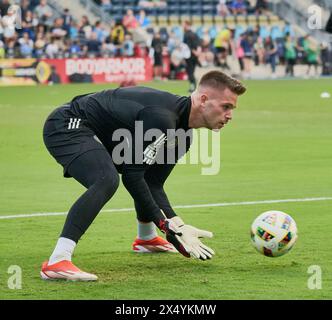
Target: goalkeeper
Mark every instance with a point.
(127, 131)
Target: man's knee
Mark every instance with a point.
(108, 183)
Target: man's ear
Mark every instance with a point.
(204, 98)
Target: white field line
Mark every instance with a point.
(207, 205)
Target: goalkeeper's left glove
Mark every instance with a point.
(185, 238)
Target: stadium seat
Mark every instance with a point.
(276, 32)
(130, 3)
(240, 19)
(163, 11)
(218, 20)
(162, 20)
(238, 31)
(200, 31)
(178, 31)
(164, 34)
(184, 17)
(150, 30)
(273, 19)
(252, 20)
(154, 19)
(171, 3)
(173, 10)
(196, 10)
(208, 10)
(196, 20)
(264, 32)
(213, 31)
(263, 20)
(288, 30)
(208, 20)
(174, 20)
(230, 21)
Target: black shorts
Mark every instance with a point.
(67, 136)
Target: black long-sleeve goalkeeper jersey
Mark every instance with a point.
(111, 112)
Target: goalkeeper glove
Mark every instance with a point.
(185, 238)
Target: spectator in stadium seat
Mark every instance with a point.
(206, 57)
(52, 49)
(271, 54)
(142, 19)
(302, 44)
(177, 59)
(40, 29)
(239, 52)
(193, 42)
(67, 20)
(247, 46)
(2, 50)
(11, 50)
(313, 53)
(39, 46)
(172, 41)
(261, 7)
(325, 58)
(75, 49)
(222, 44)
(157, 46)
(8, 23)
(238, 7)
(107, 49)
(117, 36)
(259, 51)
(222, 8)
(4, 6)
(101, 31)
(26, 46)
(93, 45)
(128, 46)
(152, 3)
(290, 55)
(73, 30)
(29, 21)
(25, 6)
(129, 21)
(1, 29)
(85, 28)
(44, 13)
(106, 5)
(57, 31)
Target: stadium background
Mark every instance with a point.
(278, 147)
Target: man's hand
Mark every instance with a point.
(185, 238)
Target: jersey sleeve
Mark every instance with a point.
(155, 123)
(157, 174)
(155, 177)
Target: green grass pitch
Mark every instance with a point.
(278, 146)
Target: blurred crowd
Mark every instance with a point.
(44, 35)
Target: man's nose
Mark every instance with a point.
(229, 115)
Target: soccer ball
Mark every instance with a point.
(273, 233)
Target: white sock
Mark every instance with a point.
(63, 250)
(146, 231)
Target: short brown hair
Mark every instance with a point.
(219, 80)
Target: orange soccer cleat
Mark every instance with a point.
(157, 244)
(65, 270)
